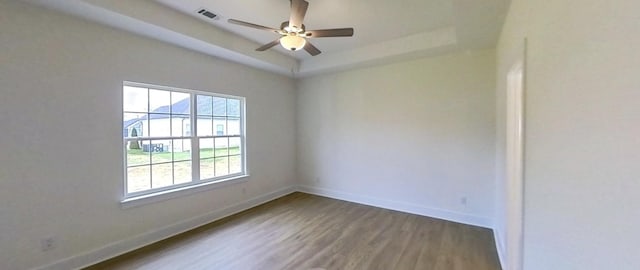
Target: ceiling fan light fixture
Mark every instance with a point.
(293, 42)
(293, 32)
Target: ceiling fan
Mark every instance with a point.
(293, 32)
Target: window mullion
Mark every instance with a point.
(243, 143)
(172, 141)
(226, 132)
(150, 141)
(195, 143)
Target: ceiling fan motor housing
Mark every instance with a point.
(286, 28)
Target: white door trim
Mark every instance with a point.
(515, 163)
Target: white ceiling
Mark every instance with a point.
(385, 31)
(374, 20)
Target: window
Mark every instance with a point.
(219, 129)
(174, 138)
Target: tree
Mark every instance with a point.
(135, 144)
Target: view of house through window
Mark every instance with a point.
(163, 126)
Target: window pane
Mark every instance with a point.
(205, 126)
(181, 150)
(206, 148)
(222, 166)
(235, 164)
(204, 105)
(222, 147)
(206, 169)
(180, 126)
(219, 124)
(132, 125)
(161, 175)
(136, 155)
(160, 151)
(182, 172)
(135, 99)
(219, 106)
(233, 126)
(138, 179)
(219, 129)
(234, 146)
(159, 101)
(159, 125)
(181, 104)
(233, 107)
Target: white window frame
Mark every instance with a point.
(196, 184)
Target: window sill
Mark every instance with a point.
(179, 192)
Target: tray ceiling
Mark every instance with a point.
(385, 31)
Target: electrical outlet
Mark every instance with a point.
(47, 243)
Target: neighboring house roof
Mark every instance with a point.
(181, 109)
(206, 106)
(130, 122)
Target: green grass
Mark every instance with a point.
(137, 157)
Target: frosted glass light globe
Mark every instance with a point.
(292, 42)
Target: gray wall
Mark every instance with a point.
(415, 136)
(582, 133)
(61, 143)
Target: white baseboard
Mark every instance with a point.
(123, 246)
(497, 237)
(479, 221)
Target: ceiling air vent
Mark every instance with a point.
(207, 14)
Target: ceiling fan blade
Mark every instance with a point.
(298, 11)
(312, 50)
(269, 45)
(338, 32)
(253, 25)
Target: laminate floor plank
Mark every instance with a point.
(302, 231)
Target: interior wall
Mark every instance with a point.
(581, 161)
(61, 142)
(416, 136)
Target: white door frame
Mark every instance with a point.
(515, 163)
